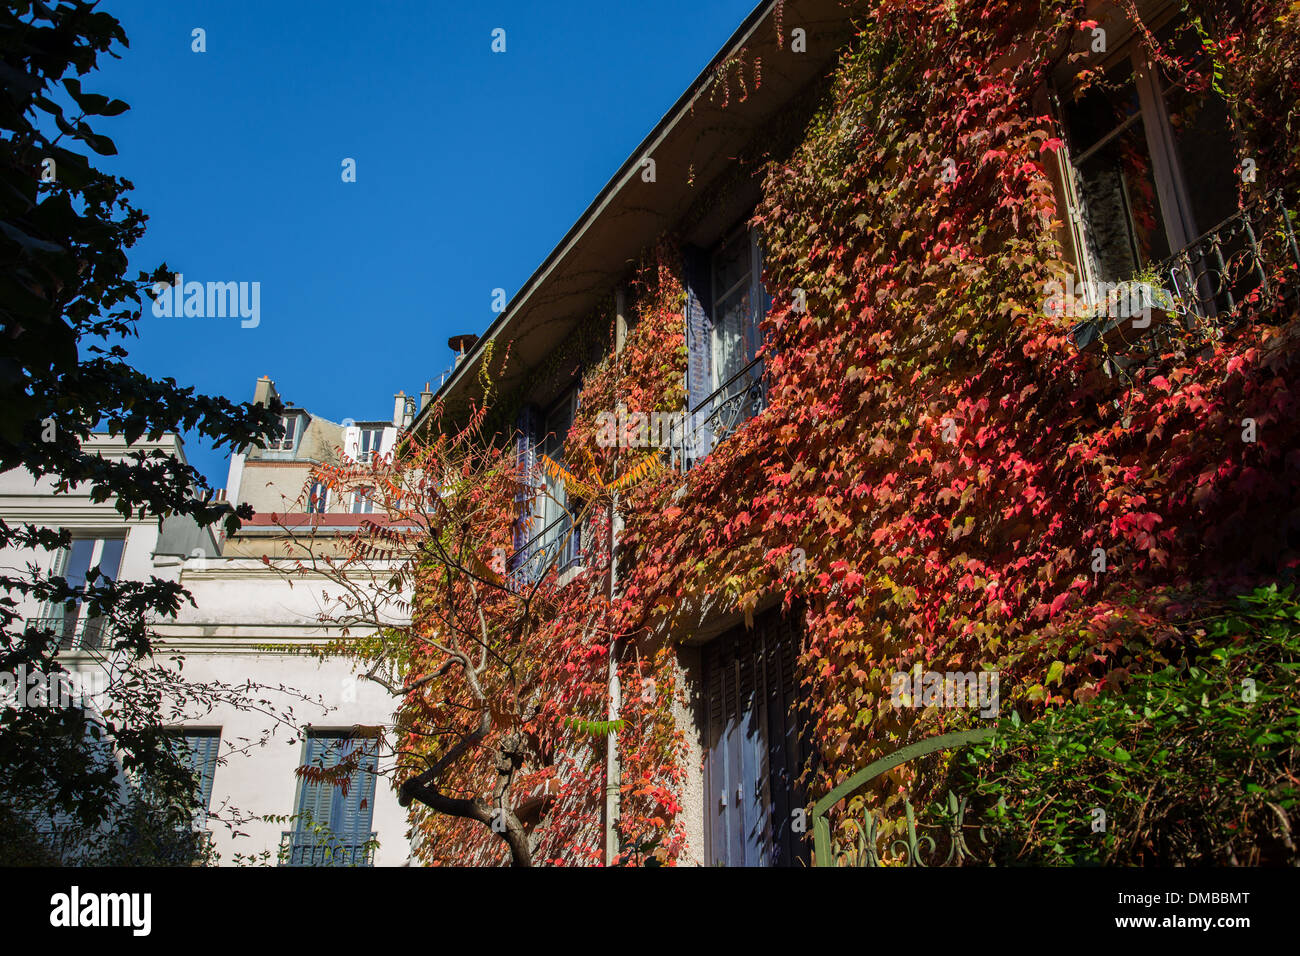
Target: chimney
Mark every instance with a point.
(401, 413)
(265, 391)
(426, 396)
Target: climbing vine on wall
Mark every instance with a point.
(939, 467)
(935, 445)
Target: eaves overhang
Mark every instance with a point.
(692, 146)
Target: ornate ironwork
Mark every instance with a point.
(305, 848)
(1250, 251)
(713, 420)
(855, 842)
(555, 545)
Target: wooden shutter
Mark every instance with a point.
(755, 754)
(351, 814)
(314, 799)
(203, 746)
(527, 425)
(699, 348)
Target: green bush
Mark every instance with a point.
(1191, 765)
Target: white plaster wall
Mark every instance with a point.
(258, 757)
(242, 605)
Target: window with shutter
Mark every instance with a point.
(526, 520)
(699, 350)
(333, 825)
(200, 748)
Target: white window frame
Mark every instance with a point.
(59, 568)
(1179, 223)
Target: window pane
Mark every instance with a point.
(730, 325)
(731, 264)
(78, 563)
(1105, 107)
(1205, 151)
(1124, 221)
(110, 561)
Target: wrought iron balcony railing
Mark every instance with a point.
(1251, 254)
(75, 845)
(1251, 251)
(74, 629)
(306, 848)
(709, 423)
(556, 545)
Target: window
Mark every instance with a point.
(199, 747)
(369, 441)
(318, 499)
(362, 502)
(73, 622)
(556, 508)
(739, 304)
(291, 433)
(1152, 162)
(725, 304)
(332, 827)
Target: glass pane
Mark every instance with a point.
(730, 335)
(1205, 152)
(1124, 223)
(110, 561)
(730, 264)
(79, 561)
(1103, 108)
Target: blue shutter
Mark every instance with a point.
(351, 814)
(202, 751)
(347, 816)
(526, 438)
(755, 752)
(699, 350)
(314, 798)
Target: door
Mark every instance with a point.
(755, 751)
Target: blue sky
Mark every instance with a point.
(471, 165)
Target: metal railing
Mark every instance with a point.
(556, 545)
(693, 436)
(76, 845)
(74, 629)
(1252, 251)
(1251, 255)
(848, 841)
(689, 439)
(306, 848)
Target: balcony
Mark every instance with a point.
(1251, 255)
(557, 545)
(75, 630)
(1252, 252)
(306, 848)
(713, 420)
(125, 846)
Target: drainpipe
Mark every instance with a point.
(613, 774)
